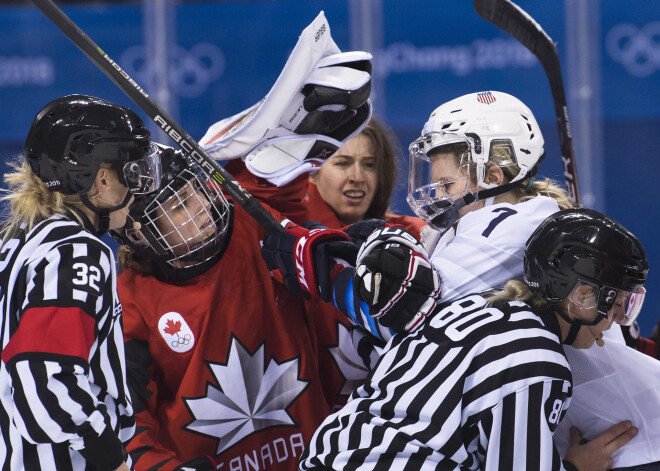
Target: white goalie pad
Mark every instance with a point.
(290, 131)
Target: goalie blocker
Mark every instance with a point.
(319, 101)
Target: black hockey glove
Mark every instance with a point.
(360, 231)
(395, 278)
(308, 257)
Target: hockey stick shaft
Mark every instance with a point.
(514, 20)
(160, 117)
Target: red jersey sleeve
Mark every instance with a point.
(286, 201)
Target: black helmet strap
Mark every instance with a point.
(103, 213)
(447, 218)
(577, 324)
(572, 333)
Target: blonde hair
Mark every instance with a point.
(529, 188)
(30, 200)
(515, 290)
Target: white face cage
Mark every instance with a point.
(188, 219)
(431, 193)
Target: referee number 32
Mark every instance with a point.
(87, 275)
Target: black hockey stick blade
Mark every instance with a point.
(160, 117)
(509, 17)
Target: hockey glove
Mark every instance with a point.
(308, 258)
(360, 231)
(319, 101)
(395, 278)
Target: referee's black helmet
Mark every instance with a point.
(583, 245)
(72, 135)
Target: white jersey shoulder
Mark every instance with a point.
(486, 248)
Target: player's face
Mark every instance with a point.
(186, 220)
(450, 180)
(348, 180)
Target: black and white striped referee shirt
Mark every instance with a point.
(62, 377)
(476, 388)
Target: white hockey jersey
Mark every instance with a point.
(484, 251)
(486, 248)
(611, 384)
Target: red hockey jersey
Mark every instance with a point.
(230, 361)
(342, 367)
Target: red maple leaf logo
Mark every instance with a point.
(172, 327)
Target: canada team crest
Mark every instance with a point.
(175, 331)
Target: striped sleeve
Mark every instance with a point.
(68, 317)
(519, 430)
(479, 386)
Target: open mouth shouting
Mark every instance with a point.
(354, 196)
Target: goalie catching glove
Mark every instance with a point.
(395, 278)
(308, 256)
(319, 101)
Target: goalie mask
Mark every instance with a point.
(186, 223)
(475, 130)
(577, 247)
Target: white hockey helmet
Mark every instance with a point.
(482, 122)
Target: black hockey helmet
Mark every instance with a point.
(582, 245)
(72, 135)
(183, 187)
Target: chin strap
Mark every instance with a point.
(488, 193)
(448, 217)
(103, 213)
(573, 331)
(576, 325)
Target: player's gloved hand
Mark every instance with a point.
(395, 278)
(203, 463)
(308, 257)
(360, 231)
(319, 101)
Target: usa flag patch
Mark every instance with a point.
(485, 97)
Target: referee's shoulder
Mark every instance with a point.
(472, 318)
(58, 231)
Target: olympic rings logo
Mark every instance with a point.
(190, 72)
(181, 342)
(638, 50)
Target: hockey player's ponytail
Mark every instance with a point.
(529, 188)
(515, 290)
(546, 187)
(30, 200)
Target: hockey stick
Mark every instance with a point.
(160, 117)
(514, 20)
